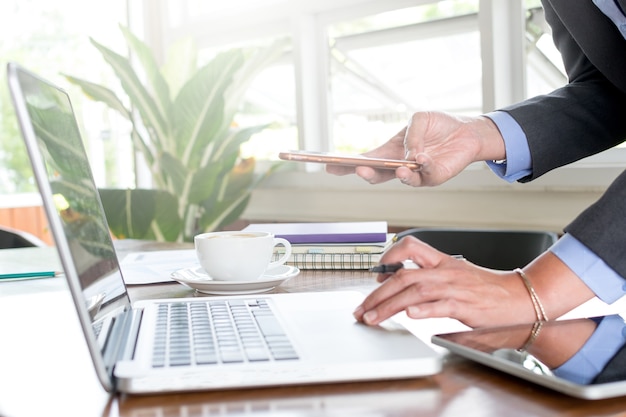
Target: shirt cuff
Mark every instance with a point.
(608, 285)
(591, 359)
(518, 161)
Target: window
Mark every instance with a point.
(545, 70)
(358, 70)
(51, 39)
(271, 100)
(386, 66)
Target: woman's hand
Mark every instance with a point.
(448, 287)
(442, 143)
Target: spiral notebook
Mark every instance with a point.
(362, 255)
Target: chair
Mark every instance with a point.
(497, 249)
(13, 238)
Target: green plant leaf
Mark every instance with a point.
(141, 213)
(174, 172)
(204, 182)
(167, 224)
(200, 105)
(160, 89)
(97, 92)
(180, 65)
(140, 97)
(240, 178)
(223, 204)
(230, 143)
(129, 212)
(143, 146)
(236, 196)
(230, 212)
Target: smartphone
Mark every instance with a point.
(349, 160)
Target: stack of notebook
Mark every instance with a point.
(338, 245)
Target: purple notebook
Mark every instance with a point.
(336, 232)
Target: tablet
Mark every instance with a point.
(347, 160)
(584, 358)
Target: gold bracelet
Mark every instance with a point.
(539, 310)
(534, 333)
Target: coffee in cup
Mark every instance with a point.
(238, 256)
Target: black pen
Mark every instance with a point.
(394, 267)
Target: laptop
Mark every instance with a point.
(172, 345)
(584, 358)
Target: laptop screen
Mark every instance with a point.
(68, 191)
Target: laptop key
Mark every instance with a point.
(277, 341)
(231, 357)
(180, 360)
(268, 325)
(205, 358)
(286, 354)
(256, 354)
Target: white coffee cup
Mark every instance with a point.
(238, 256)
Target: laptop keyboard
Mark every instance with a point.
(214, 332)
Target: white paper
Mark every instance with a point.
(153, 267)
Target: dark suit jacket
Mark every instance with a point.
(615, 369)
(585, 117)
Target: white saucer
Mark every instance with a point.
(198, 279)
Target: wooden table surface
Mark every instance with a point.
(45, 369)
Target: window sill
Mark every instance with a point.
(475, 198)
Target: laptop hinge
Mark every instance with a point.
(122, 338)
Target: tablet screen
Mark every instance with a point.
(583, 357)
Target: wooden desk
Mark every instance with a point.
(45, 370)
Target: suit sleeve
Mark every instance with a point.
(602, 226)
(585, 117)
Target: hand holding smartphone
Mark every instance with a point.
(347, 160)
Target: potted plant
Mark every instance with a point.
(182, 125)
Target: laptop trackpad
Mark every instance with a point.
(325, 330)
